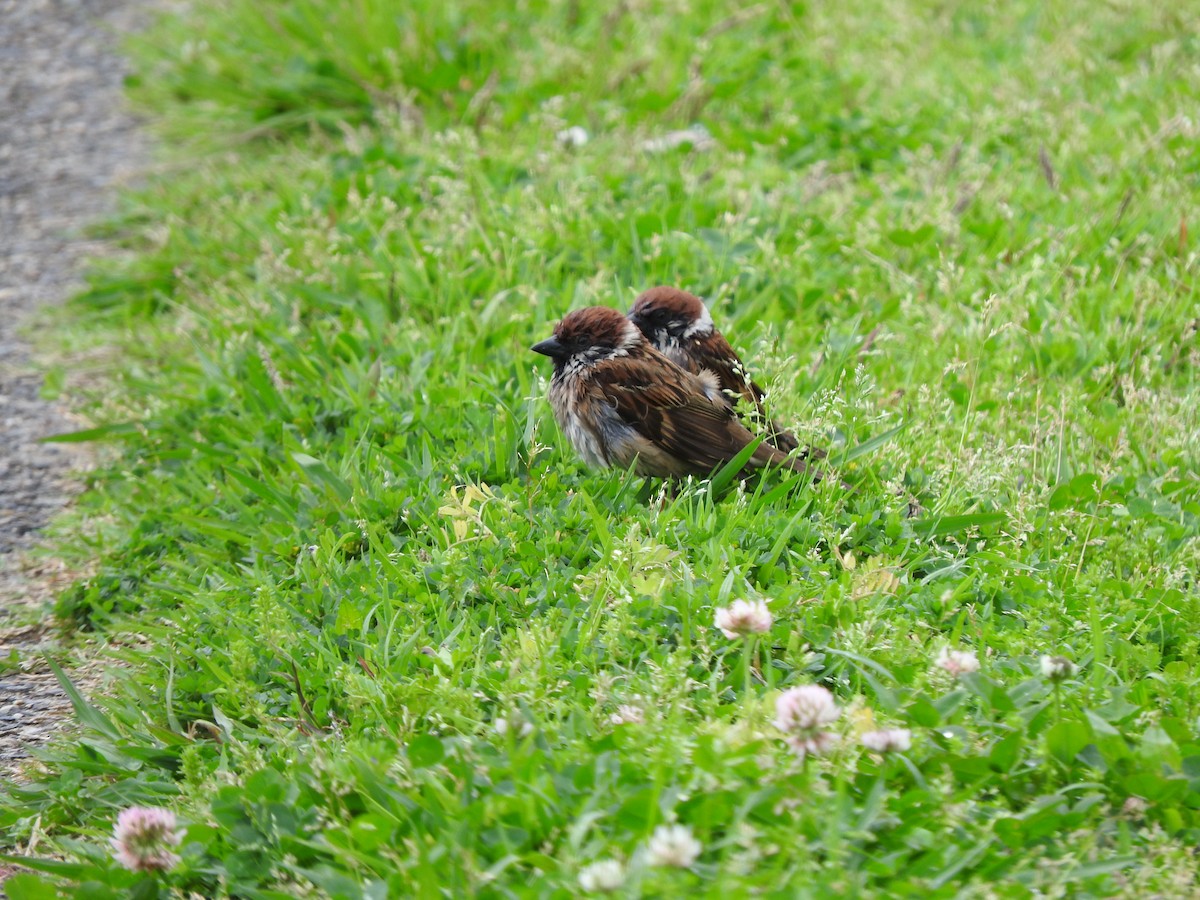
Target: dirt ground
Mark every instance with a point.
(67, 144)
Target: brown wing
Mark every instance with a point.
(714, 353)
(667, 406)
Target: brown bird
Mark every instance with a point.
(678, 324)
(619, 401)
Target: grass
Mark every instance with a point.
(377, 619)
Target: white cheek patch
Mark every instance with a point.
(630, 338)
(702, 325)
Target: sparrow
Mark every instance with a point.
(678, 324)
(620, 402)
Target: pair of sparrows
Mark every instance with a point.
(658, 388)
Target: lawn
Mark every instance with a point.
(381, 633)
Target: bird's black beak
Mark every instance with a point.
(642, 323)
(549, 347)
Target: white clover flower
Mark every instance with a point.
(697, 137)
(145, 837)
(628, 715)
(744, 617)
(957, 662)
(1134, 806)
(575, 136)
(673, 845)
(521, 726)
(602, 876)
(887, 740)
(1057, 668)
(811, 743)
(805, 708)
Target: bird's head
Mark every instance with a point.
(590, 336)
(668, 314)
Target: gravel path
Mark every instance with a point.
(66, 143)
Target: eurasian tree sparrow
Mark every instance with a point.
(678, 324)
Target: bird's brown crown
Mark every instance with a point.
(596, 327)
(672, 310)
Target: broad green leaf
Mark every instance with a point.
(1065, 739)
(425, 750)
